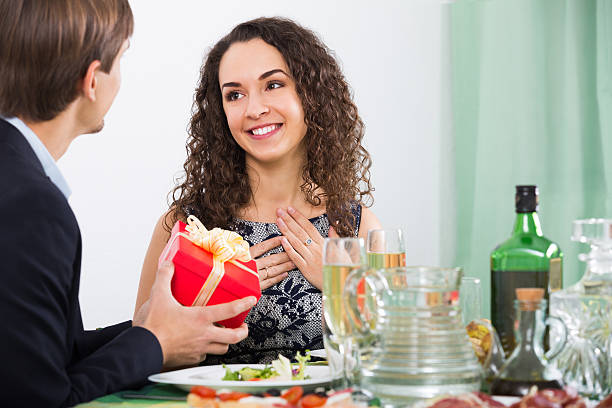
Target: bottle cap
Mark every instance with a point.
(526, 199)
(529, 298)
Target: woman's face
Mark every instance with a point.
(263, 110)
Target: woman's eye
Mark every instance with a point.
(275, 85)
(233, 96)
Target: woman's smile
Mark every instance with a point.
(264, 131)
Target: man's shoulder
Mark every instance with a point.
(22, 177)
(27, 191)
(18, 163)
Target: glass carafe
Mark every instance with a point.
(418, 345)
(528, 365)
(586, 310)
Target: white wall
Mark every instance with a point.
(390, 52)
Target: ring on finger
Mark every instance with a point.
(308, 241)
(267, 269)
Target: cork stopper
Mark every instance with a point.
(529, 298)
(530, 294)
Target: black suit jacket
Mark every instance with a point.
(46, 358)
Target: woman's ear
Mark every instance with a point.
(90, 82)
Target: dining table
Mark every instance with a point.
(166, 395)
(149, 395)
(169, 396)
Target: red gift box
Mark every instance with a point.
(192, 267)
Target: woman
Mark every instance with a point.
(274, 154)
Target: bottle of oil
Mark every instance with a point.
(528, 365)
(526, 259)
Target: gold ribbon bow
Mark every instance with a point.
(225, 246)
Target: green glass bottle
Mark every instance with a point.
(526, 260)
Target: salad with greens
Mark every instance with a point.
(280, 369)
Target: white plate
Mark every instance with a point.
(321, 353)
(505, 400)
(211, 376)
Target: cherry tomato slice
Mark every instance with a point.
(203, 392)
(232, 396)
(312, 401)
(293, 394)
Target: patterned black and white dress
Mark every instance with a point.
(287, 318)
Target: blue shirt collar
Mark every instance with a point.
(48, 164)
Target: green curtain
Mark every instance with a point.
(531, 103)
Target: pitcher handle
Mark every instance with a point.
(553, 352)
(361, 317)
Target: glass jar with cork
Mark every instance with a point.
(528, 365)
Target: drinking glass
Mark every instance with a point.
(385, 248)
(333, 353)
(470, 299)
(341, 256)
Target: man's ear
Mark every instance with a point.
(90, 81)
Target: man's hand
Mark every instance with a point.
(187, 334)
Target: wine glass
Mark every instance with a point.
(385, 248)
(341, 256)
(470, 299)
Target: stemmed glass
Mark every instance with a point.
(470, 299)
(341, 256)
(385, 248)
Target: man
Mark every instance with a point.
(59, 74)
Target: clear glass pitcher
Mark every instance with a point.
(586, 310)
(418, 347)
(528, 365)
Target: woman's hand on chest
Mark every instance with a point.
(303, 244)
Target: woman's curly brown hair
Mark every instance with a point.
(216, 187)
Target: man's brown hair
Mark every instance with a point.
(46, 47)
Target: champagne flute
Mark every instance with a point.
(341, 256)
(385, 248)
(470, 299)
